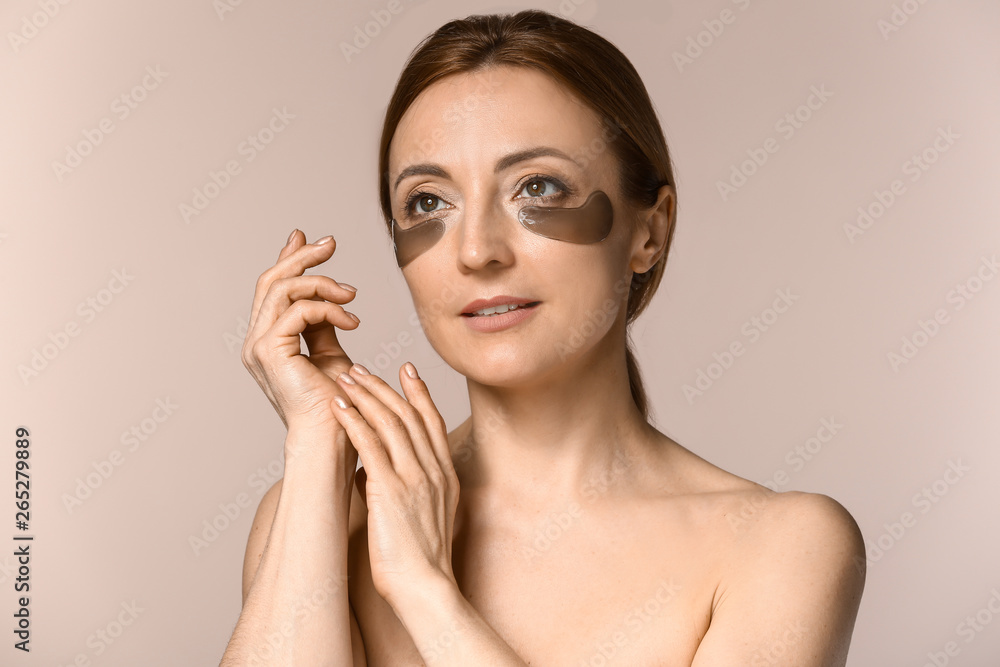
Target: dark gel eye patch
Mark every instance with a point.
(589, 223)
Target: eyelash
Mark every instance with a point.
(564, 191)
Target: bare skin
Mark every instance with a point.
(581, 534)
(562, 601)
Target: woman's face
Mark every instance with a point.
(458, 132)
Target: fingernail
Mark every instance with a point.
(350, 288)
(347, 378)
(325, 239)
(290, 236)
(411, 370)
(341, 402)
(352, 316)
(358, 368)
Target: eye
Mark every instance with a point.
(536, 187)
(424, 203)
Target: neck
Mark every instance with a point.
(557, 437)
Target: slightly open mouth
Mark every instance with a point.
(525, 306)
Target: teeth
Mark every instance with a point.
(495, 310)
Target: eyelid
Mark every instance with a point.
(561, 187)
(413, 198)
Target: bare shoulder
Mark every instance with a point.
(780, 529)
(759, 516)
(789, 589)
(793, 594)
(788, 567)
(798, 517)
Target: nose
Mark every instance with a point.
(485, 235)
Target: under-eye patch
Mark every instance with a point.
(588, 223)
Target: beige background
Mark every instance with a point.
(172, 333)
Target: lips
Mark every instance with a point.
(503, 299)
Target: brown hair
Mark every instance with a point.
(588, 65)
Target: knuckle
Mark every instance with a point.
(411, 414)
(437, 478)
(247, 354)
(302, 306)
(391, 421)
(265, 278)
(258, 349)
(280, 284)
(423, 489)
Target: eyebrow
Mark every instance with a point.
(505, 162)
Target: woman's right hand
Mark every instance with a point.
(287, 304)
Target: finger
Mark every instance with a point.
(284, 333)
(366, 441)
(320, 338)
(398, 427)
(295, 241)
(420, 398)
(293, 264)
(415, 424)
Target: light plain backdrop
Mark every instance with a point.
(157, 301)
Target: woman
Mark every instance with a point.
(521, 163)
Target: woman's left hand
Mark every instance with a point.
(408, 480)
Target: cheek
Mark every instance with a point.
(579, 282)
(434, 299)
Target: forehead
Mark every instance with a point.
(484, 114)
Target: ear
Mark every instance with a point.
(653, 229)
